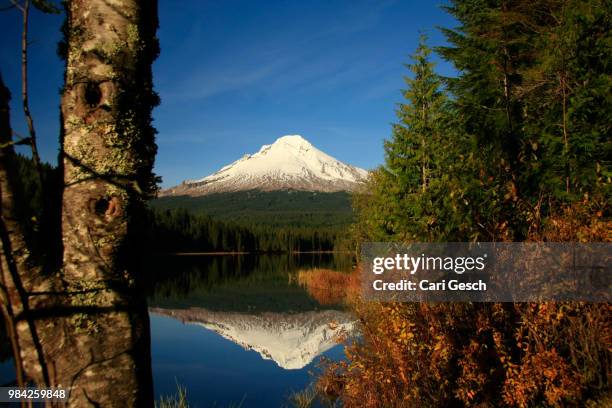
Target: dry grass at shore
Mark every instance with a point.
(327, 286)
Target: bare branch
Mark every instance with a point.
(25, 10)
(15, 143)
(18, 135)
(17, 5)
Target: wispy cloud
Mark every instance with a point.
(294, 60)
(207, 83)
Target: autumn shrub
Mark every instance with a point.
(584, 221)
(461, 354)
(327, 286)
(552, 354)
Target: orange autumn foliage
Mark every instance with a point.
(328, 287)
(555, 354)
(473, 355)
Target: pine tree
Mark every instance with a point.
(487, 50)
(527, 134)
(532, 94)
(567, 92)
(415, 155)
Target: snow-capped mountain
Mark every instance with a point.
(290, 163)
(291, 340)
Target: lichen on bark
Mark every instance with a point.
(91, 332)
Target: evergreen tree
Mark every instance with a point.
(417, 157)
(524, 155)
(408, 154)
(567, 92)
(488, 49)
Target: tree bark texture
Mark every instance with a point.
(109, 150)
(86, 328)
(22, 287)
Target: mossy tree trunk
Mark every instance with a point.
(108, 158)
(86, 327)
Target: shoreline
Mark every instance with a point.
(219, 253)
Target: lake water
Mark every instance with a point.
(237, 329)
(241, 329)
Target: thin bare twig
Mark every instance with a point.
(16, 4)
(25, 11)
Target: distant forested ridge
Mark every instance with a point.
(180, 230)
(41, 213)
(273, 208)
(251, 221)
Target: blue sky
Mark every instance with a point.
(236, 74)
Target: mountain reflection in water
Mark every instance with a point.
(247, 329)
(291, 340)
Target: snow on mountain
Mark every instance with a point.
(291, 162)
(291, 340)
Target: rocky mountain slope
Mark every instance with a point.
(290, 163)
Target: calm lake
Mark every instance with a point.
(238, 330)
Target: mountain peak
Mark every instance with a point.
(292, 140)
(290, 163)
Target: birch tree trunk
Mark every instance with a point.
(109, 150)
(86, 328)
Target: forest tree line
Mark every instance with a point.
(280, 208)
(182, 231)
(516, 147)
(518, 138)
